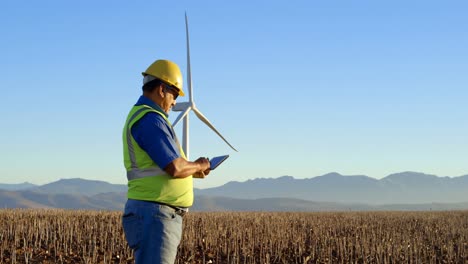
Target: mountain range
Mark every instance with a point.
(329, 192)
(404, 188)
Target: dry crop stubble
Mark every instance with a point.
(78, 236)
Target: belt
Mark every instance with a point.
(178, 210)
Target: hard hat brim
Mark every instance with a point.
(181, 93)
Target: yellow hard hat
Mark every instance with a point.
(168, 72)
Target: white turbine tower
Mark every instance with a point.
(186, 107)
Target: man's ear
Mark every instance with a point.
(161, 90)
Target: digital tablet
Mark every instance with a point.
(216, 161)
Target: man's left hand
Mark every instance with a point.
(201, 174)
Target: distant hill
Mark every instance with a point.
(400, 188)
(329, 192)
(30, 199)
(17, 186)
(80, 187)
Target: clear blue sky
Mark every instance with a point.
(300, 88)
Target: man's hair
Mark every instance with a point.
(150, 86)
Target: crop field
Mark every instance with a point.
(66, 236)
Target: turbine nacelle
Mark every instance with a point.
(179, 107)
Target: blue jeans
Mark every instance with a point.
(152, 230)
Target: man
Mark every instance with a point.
(160, 188)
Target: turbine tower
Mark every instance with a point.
(186, 107)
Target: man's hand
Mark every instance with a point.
(205, 168)
(199, 175)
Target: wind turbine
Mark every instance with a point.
(186, 107)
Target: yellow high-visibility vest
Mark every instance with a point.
(147, 181)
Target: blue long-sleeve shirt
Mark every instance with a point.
(155, 136)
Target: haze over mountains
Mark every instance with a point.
(329, 192)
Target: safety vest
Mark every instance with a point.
(147, 181)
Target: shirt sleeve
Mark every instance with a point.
(153, 135)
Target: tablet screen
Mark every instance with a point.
(214, 162)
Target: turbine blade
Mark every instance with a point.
(181, 115)
(205, 120)
(189, 71)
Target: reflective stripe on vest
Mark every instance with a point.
(135, 172)
(142, 173)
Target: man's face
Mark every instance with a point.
(169, 99)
